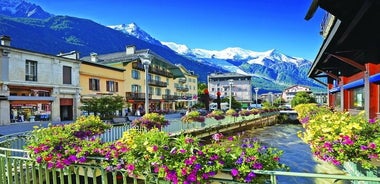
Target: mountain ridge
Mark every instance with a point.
(65, 33)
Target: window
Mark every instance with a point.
(112, 86)
(337, 103)
(94, 84)
(30, 70)
(150, 78)
(167, 91)
(151, 90)
(66, 75)
(357, 98)
(158, 91)
(136, 88)
(135, 74)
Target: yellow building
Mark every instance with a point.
(161, 76)
(97, 80)
(186, 88)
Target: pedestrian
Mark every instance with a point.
(188, 111)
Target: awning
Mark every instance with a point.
(354, 84)
(375, 78)
(335, 89)
(32, 98)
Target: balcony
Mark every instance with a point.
(185, 97)
(136, 96)
(182, 89)
(169, 97)
(182, 80)
(326, 24)
(157, 83)
(152, 69)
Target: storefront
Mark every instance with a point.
(29, 110)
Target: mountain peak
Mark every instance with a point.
(134, 30)
(23, 9)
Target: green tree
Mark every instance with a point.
(105, 106)
(234, 104)
(302, 97)
(278, 102)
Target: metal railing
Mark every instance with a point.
(17, 168)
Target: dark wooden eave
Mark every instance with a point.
(354, 38)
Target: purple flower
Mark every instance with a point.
(258, 166)
(234, 172)
(372, 121)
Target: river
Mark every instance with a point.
(297, 154)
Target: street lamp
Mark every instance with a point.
(271, 98)
(230, 82)
(256, 90)
(146, 61)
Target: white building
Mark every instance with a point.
(289, 93)
(240, 84)
(36, 86)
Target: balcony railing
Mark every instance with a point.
(182, 80)
(185, 97)
(152, 69)
(169, 97)
(182, 89)
(326, 24)
(136, 96)
(157, 83)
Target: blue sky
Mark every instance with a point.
(209, 24)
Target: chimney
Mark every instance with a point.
(5, 40)
(94, 57)
(130, 49)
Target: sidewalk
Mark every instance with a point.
(25, 126)
(20, 127)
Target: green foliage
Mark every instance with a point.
(234, 104)
(105, 106)
(302, 98)
(61, 145)
(338, 137)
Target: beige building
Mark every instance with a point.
(186, 88)
(36, 86)
(239, 84)
(160, 79)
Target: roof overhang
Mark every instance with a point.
(352, 41)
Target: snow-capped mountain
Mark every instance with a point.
(134, 30)
(23, 9)
(271, 68)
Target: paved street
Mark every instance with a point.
(27, 126)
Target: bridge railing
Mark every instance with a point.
(16, 167)
(22, 170)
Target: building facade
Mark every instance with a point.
(239, 84)
(289, 93)
(98, 80)
(161, 79)
(36, 86)
(186, 88)
(349, 59)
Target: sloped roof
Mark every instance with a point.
(127, 58)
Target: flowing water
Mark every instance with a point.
(297, 154)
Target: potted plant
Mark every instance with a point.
(151, 120)
(339, 137)
(61, 145)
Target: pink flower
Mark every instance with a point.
(372, 145)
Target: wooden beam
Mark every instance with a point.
(350, 62)
(330, 74)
